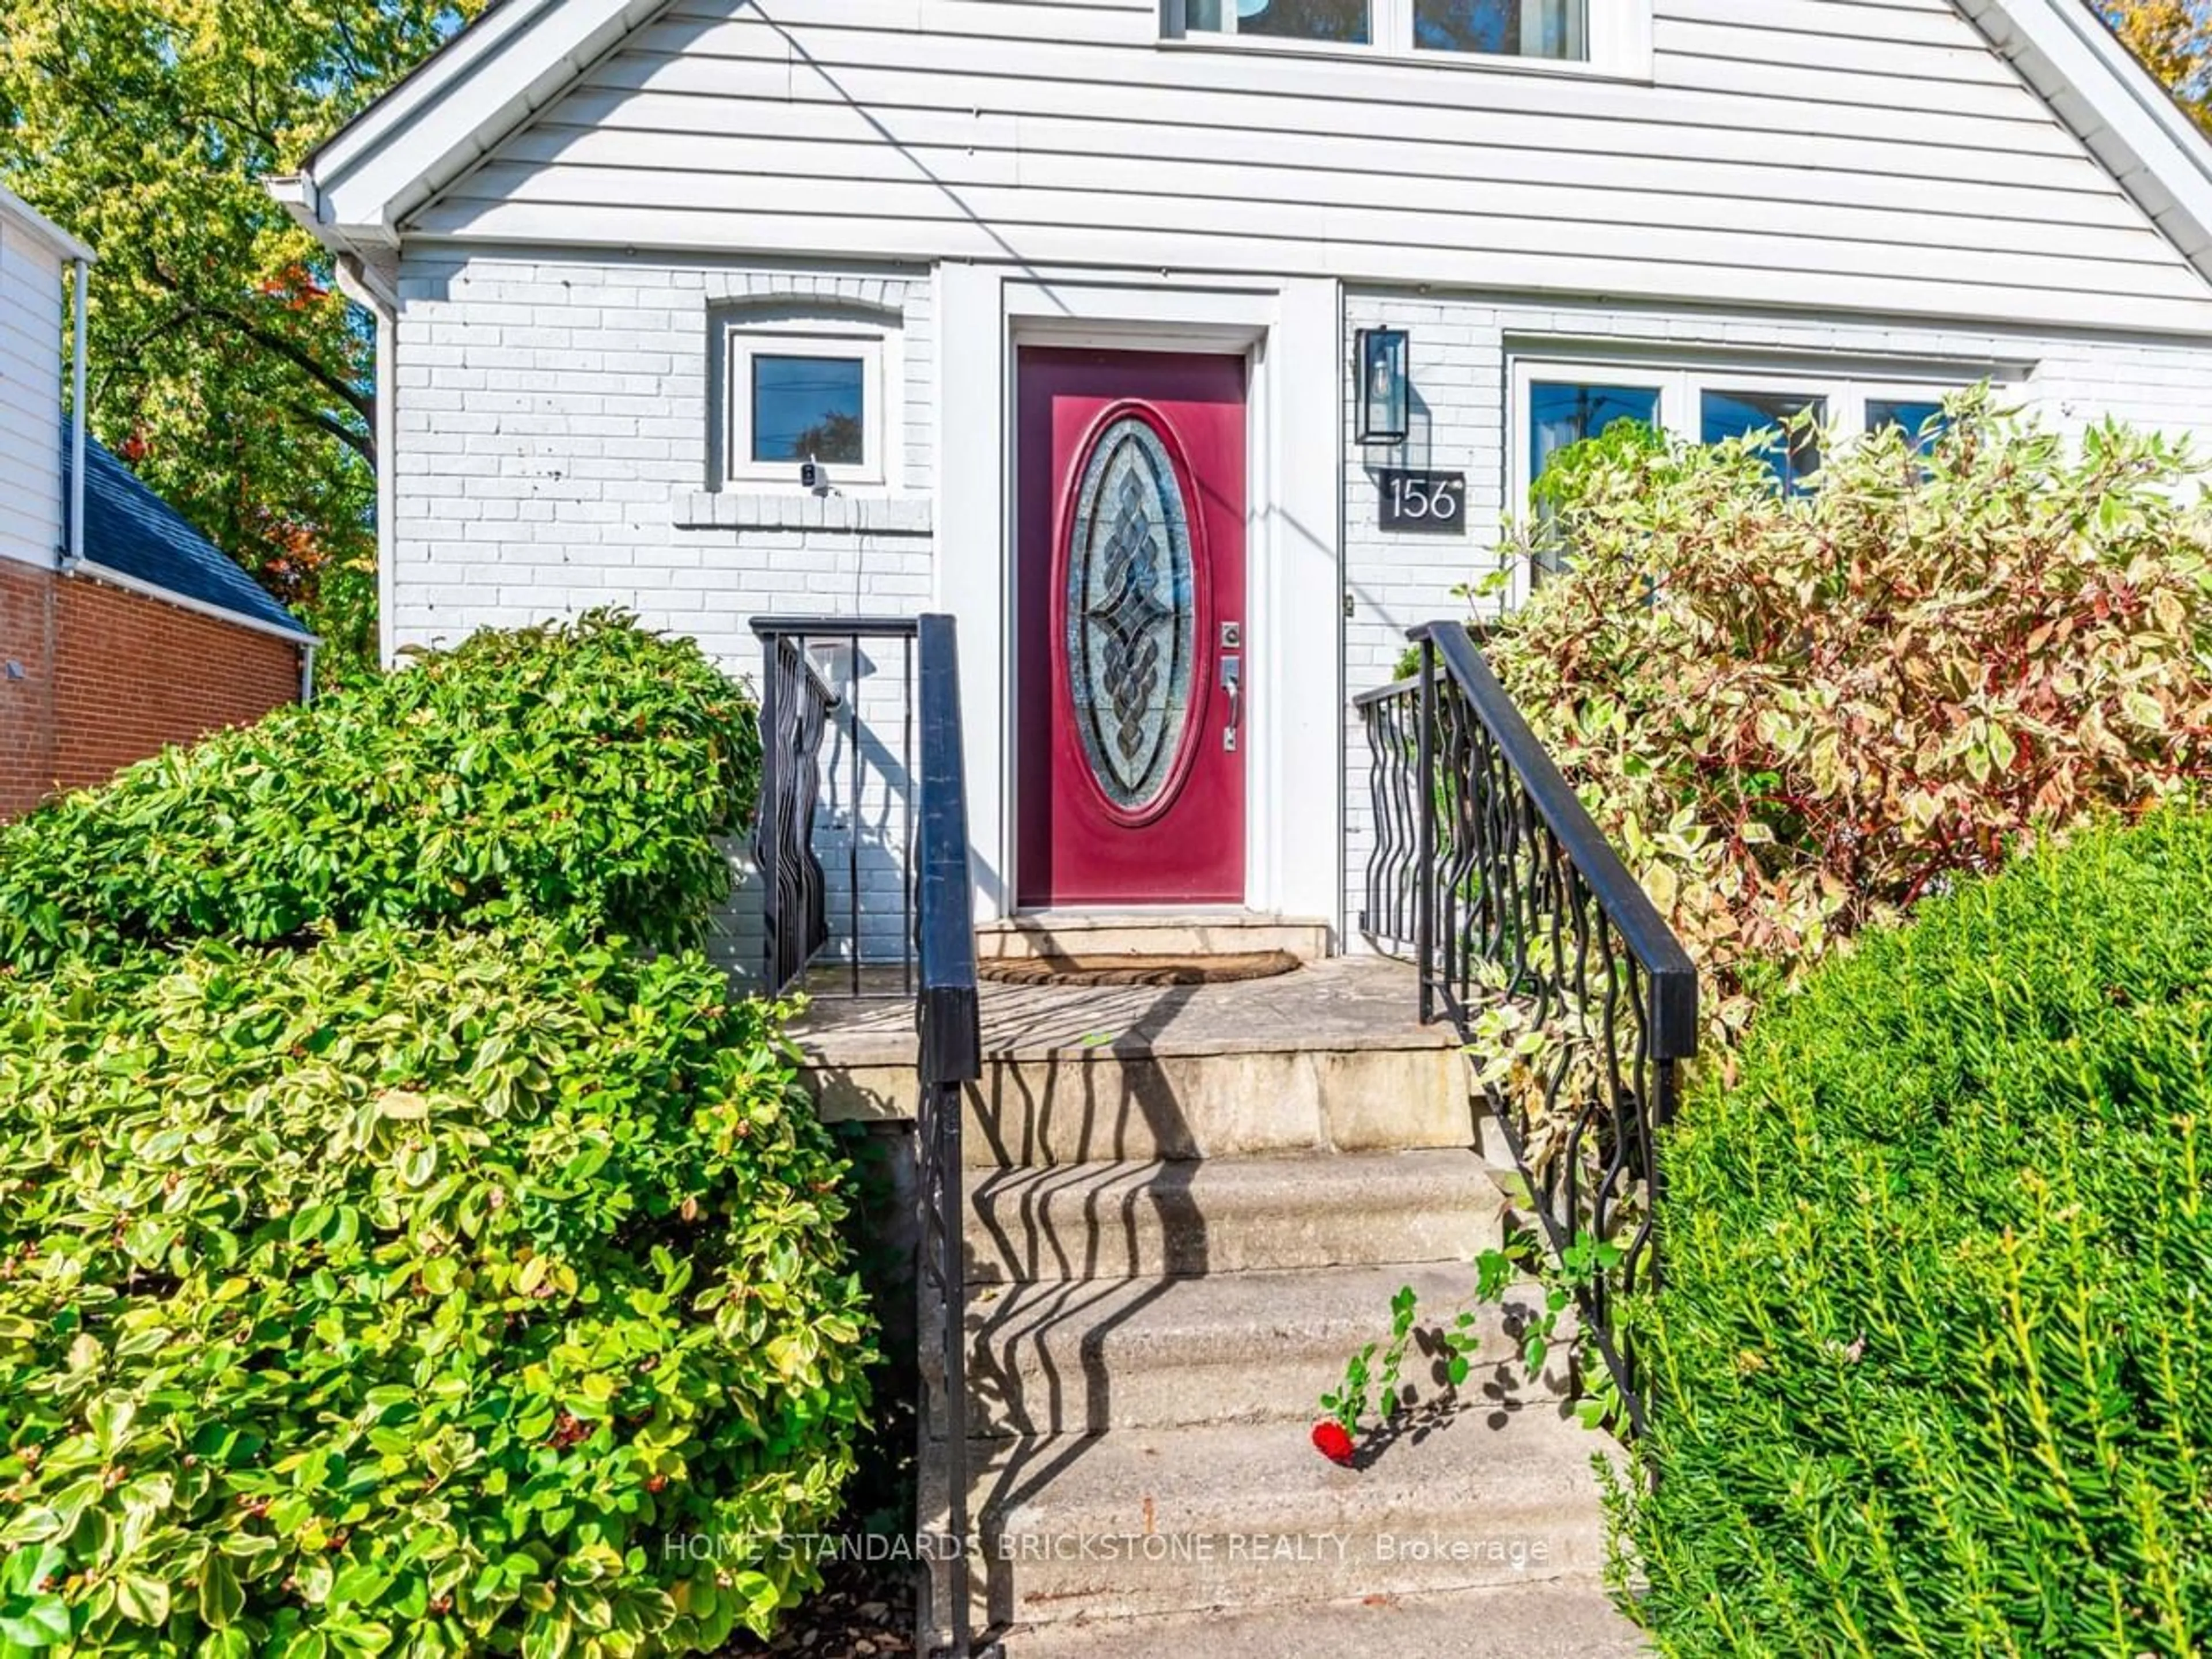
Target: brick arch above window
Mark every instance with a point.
(885, 298)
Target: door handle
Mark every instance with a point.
(1232, 682)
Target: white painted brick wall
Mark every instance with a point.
(1462, 353)
(552, 455)
(553, 441)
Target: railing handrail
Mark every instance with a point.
(865, 628)
(948, 1028)
(1405, 687)
(1643, 930)
(947, 1012)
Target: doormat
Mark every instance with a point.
(1138, 970)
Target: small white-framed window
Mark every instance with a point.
(1605, 37)
(799, 394)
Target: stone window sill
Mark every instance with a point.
(867, 515)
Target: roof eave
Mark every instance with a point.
(68, 248)
(353, 191)
(93, 569)
(2119, 110)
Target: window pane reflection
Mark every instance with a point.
(808, 409)
(1513, 28)
(1726, 415)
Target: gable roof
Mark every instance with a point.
(130, 532)
(357, 191)
(355, 188)
(2120, 110)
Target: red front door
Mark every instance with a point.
(1130, 596)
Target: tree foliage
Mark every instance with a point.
(2173, 37)
(224, 365)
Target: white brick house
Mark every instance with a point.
(612, 245)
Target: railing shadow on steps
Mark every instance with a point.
(1522, 918)
(938, 971)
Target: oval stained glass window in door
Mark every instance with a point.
(1131, 625)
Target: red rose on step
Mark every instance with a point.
(1333, 1442)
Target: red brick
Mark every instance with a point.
(109, 676)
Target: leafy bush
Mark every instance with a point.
(428, 1292)
(1799, 714)
(1932, 1372)
(572, 772)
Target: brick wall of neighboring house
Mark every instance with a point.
(109, 676)
(27, 684)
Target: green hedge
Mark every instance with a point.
(1932, 1370)
(422, 1292)
(568, 772)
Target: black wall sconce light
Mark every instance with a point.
(1381, 361)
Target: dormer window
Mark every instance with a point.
(1607, 37)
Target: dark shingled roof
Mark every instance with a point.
(130, 529)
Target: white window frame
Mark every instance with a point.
(1682, 384)
(828, 337)
(1619, 34)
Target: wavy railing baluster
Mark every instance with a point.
(1531, 907)
(796, 704)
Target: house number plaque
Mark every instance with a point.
(1422, 501)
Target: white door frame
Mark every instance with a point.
(1289, 332)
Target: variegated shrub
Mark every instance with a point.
(1798, 714)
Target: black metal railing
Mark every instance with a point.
(1577, 1000)
(951, 1058)
(922, 794)
(800, 710)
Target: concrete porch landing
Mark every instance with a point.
(1328, 1058)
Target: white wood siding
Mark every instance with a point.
(30, 398)
(1860, 155)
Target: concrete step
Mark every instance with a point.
(1077, 1357)
(1141, 1522)
(1102, 1106)
(1329, 1058)
(1229, 1215)
(1091, 933)
(1560, 1618)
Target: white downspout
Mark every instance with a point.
(363, 285)
(81, 281)
(388, 484)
